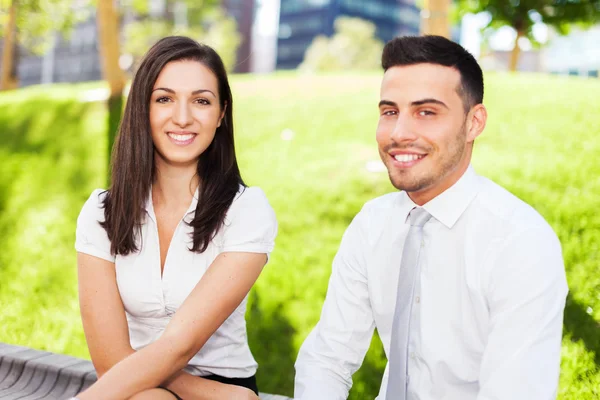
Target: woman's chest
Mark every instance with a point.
(144, 290)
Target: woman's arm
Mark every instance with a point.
(215, 297)
(107, 334)
(102, 313)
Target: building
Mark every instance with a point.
(499, 60)
(74, 60)
(578, 53)
(264, 36)
(300, 21)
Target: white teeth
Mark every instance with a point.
(181, 138)
(407, 157)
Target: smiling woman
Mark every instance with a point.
(184, 119)
(167, 255)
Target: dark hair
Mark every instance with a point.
(410, 50)
(133, 169)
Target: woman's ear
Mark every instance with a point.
(222, 114)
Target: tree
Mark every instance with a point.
(522, 15)
(108, 32)
(353, 46)
(435, 18)
(30, 24)
(8, 79)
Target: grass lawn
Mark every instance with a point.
(542, 143)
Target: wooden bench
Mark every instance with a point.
(28, 374)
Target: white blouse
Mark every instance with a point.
(151, 300)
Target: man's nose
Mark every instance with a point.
(404, 130)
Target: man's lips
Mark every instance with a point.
(403, 159)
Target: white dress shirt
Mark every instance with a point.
(151, 300)
(488, 306)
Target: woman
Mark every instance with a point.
(167, 256)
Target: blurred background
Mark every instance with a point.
(305, 77)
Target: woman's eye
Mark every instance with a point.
(203, 101)
(162, 100)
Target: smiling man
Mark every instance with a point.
(464, 282)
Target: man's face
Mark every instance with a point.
(424, 136)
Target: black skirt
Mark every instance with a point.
(249, 383)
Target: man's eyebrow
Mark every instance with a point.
(195, 92)
(428, 101)
(387, 103)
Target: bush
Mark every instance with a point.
(354, 46)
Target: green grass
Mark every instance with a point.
(541, 143)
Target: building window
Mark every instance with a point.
(293, 6)
(302, 26)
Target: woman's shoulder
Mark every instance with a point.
(249, 196)
(250, 200)
(251, 224)
(93, 208)
(90, 237)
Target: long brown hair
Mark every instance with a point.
(133, 169)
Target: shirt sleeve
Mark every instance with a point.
(527, 290)
(336, 347)
(250, 224)
(90, 237)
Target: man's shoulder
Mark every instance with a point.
(498, 206)
(382, 203)
(370, 215)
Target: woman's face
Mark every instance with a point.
(185, 112)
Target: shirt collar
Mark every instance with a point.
(448, 206)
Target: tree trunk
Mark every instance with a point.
(515, 53)
(108, 32)
(9, 79)
(435, 18)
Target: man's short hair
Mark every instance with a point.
(431, 49)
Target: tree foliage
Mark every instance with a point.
(522, 15)
(37, 20)
(353, 46)
(204, 21)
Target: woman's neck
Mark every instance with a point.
(174, 186)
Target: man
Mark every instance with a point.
(464, 282)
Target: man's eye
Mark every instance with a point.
(425, 113)
(389, 112)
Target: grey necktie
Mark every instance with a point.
(409, 269)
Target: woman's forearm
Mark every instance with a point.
(186, 386)
(145, 369)
(101, 369)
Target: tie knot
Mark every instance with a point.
(418, 217)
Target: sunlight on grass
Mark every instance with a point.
(307, 141)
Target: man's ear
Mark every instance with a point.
(476, 120)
